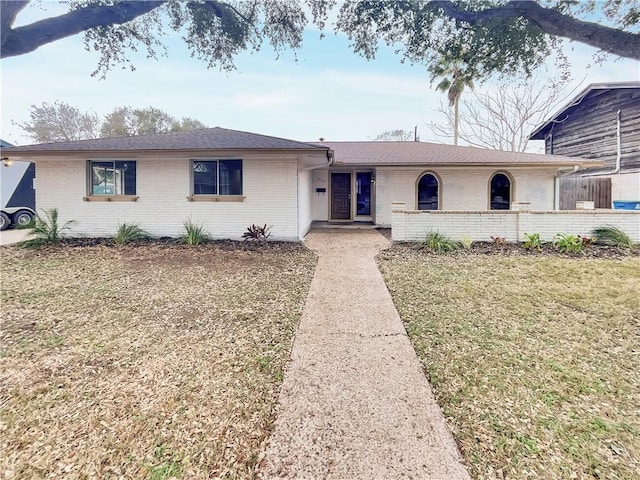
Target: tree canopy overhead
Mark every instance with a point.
(487, 36)
(214, 31)
(490, 36)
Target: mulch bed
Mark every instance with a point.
(516, 249)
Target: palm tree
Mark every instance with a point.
(454, 79)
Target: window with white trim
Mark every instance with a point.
(217, 177)
(116, 177)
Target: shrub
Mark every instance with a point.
(257, 233)
(612, 236)
(194, 234)
(532, 241)
(439, 243)
(466, 242)
(130, 232)
(567, 243)
(586, 241)
(46, 230)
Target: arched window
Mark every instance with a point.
(428, 192)
(500, 192)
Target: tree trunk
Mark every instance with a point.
(455, 119)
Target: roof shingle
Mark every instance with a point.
(425, 153)
(204, 139)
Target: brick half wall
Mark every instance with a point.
(413, 225)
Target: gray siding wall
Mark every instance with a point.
(589, 131)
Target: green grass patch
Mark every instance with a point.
(534, 360)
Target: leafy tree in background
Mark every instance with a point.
(397, 135)
(60, 122)
(127, 121)
(497, 35)
(187, 123)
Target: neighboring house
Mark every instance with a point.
(228, 180)
(602, 123)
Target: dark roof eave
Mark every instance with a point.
(562, 163)
(18, 152)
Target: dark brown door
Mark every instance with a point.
(341, 196)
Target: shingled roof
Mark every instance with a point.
(345, 153)
(204, 139)
(425, 153)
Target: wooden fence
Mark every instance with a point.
(573, 189)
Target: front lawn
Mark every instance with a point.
(535, 360)
(150, 361)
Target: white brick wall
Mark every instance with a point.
(270, 186)
(412, 225)
(320, 201)
(304, 201)
(461, 189)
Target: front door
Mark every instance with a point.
(363, 194)
(341, 196)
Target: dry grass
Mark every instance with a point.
(151, 362)
(535, 360)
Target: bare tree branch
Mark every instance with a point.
(502, 117)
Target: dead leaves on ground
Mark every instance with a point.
(153, 361)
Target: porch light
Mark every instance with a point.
(7, 162)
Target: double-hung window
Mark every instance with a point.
(217, 177)
(112, 177)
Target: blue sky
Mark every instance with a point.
(329, 92)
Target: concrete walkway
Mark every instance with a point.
(14, 235)
(355, 403)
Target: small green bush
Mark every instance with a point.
(194, 234)
(466, 242)
(532, 241)
(612, 236)
(439, 243)
(567, 243)
(46, 230)
(130, 232)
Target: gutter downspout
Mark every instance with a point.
(330, 159)
(618, 153)
(561, 172)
